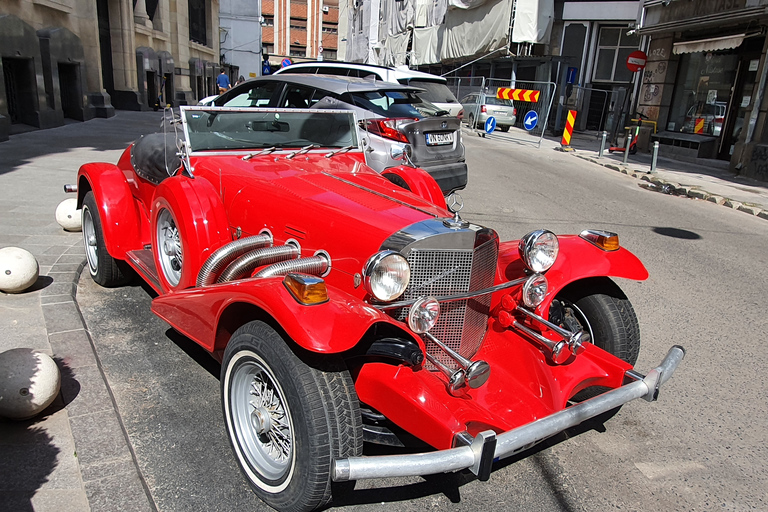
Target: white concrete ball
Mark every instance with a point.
(18, 269)
(67, 215)
(29, 382)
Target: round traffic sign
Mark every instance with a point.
(490, 124)
(530, 120)
(636, 61)
(286, 62)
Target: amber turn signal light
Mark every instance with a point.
(605, 240)
(306, 289)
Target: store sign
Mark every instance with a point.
(672, 11)
(636, 61)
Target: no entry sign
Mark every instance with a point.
(636, 61)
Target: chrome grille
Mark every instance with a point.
(462, 324)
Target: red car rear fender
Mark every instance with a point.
(210, 315)
(120, 220)
(418, 181)
(577, 260)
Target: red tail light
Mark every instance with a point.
(514, 111)
(389, 128)
(483, 108)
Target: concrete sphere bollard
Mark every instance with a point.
(68, 216)
(18, 269)
(29, 382)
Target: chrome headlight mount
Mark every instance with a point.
(539, 249)
(386, 275)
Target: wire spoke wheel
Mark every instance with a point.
(261, 420)
(90, 241)
(170, 249)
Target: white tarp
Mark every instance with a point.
(395, 50)
(533, 21)
(477, 28)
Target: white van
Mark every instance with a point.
(435, 87)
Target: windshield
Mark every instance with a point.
(493, 100)
(216, 128)
(436, 92)
(388, 103)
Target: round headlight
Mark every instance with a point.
(423, 314)
(387, 275)
(539, 250)
(534, 290)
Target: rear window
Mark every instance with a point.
(436, 92)
(493, 100)
(388, 103)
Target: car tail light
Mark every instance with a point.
(514, 111)
(483, 108)
(389, 128)
(460, 115)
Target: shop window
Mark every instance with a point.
(613, 47)
(702, 92)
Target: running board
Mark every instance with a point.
(143, 263)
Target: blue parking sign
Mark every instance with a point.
(490, 124)
(530, 120)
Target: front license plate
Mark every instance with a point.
(438, 139)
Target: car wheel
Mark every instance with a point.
(169, 247)
(287, 421)
(104, 269)
(505, 129)
(600, 308)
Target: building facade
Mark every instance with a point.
(240, 37)
(300, 30)
(705, 79)
(79, 58)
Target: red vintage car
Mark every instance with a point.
(348, 306)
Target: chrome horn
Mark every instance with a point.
(475, 373)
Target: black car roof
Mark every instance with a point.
(332, 83)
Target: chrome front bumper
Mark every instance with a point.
(480, 452)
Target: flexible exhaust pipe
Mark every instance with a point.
(224, 255)
(245, 264)
(315, 265)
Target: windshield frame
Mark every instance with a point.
(186, 110)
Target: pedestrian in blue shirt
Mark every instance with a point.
(223, 81)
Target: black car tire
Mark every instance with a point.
(313, 416)
(104, 269)
(504, 129)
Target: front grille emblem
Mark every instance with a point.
(455, 203)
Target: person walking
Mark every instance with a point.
(223, 81)
(240, 80)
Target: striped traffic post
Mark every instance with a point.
(565, 144)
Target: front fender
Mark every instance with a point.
(577, 259)
(120, 219)
(331, 327)
(418, 181)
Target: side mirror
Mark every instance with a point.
(400, 152)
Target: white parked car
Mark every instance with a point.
(435, 87)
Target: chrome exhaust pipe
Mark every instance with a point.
(245, 264)
(314, 265)
(224, 255)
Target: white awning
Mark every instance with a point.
(708, 45)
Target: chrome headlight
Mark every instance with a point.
(539, 250)
(386, 275)
(534, 290)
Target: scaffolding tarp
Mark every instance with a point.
(533, 21)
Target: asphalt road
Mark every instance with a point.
(702, 446)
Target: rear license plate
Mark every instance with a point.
(438, 139)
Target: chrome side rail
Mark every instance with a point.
(478, 457)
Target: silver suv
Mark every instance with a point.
(388, 114)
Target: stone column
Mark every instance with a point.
(140, 15)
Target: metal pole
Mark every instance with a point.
(626, 149)
(655, 156)
(602, 145)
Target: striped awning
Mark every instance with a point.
(708, 45)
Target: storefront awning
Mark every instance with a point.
(708, 45)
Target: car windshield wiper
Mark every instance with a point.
(340, 150)
(302, 151)
(264, 151)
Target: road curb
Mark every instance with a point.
(671, 187)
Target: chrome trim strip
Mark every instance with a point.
(510, 442)
(454, 298)
(385, 196)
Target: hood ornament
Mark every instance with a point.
(455, 203)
